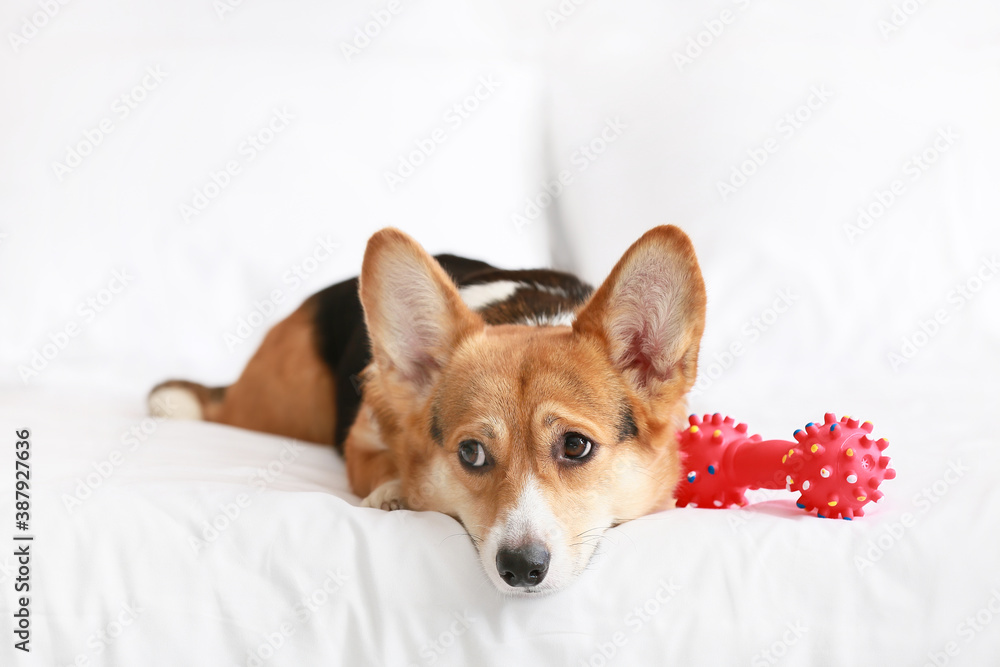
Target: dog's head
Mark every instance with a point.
(538, 439)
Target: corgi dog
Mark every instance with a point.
(536, 411)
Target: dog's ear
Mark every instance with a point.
(650, 313)
(413, 310)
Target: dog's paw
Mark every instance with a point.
(388, 496)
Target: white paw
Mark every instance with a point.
(388, 496)
(175, 403)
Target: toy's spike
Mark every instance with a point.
(851, 478)
(800, 435)
(890, 473)
(849, 452)
(881, 443)
(877, 495)
(829, 418)
(848, 513)
(742, 428)
(717, 437)
(824, 471)
(728, 420)
(717, 419)
(867, 427)
(806, 484)
(832, 500)
(859, 512)
(817, 449)
(859, 494)
(883, 462)
(873, 482)
(713, 467)
(812, 429)
(693, 420)
(853, 423)
(865, 441)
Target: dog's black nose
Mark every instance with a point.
(524, 566)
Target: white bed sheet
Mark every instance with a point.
(300, 575)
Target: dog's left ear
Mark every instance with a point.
(650, 313)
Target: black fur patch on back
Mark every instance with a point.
(543, 295)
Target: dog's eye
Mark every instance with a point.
(472, 453)
(576, 447)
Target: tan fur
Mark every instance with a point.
(519, 389)
(285, 388)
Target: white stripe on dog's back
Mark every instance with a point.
(483, 294)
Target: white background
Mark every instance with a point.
(699, 89)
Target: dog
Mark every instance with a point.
(535, 410)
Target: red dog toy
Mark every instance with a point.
(835, 466)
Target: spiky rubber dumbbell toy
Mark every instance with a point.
(835, 466)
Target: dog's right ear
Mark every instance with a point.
(413, 310)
